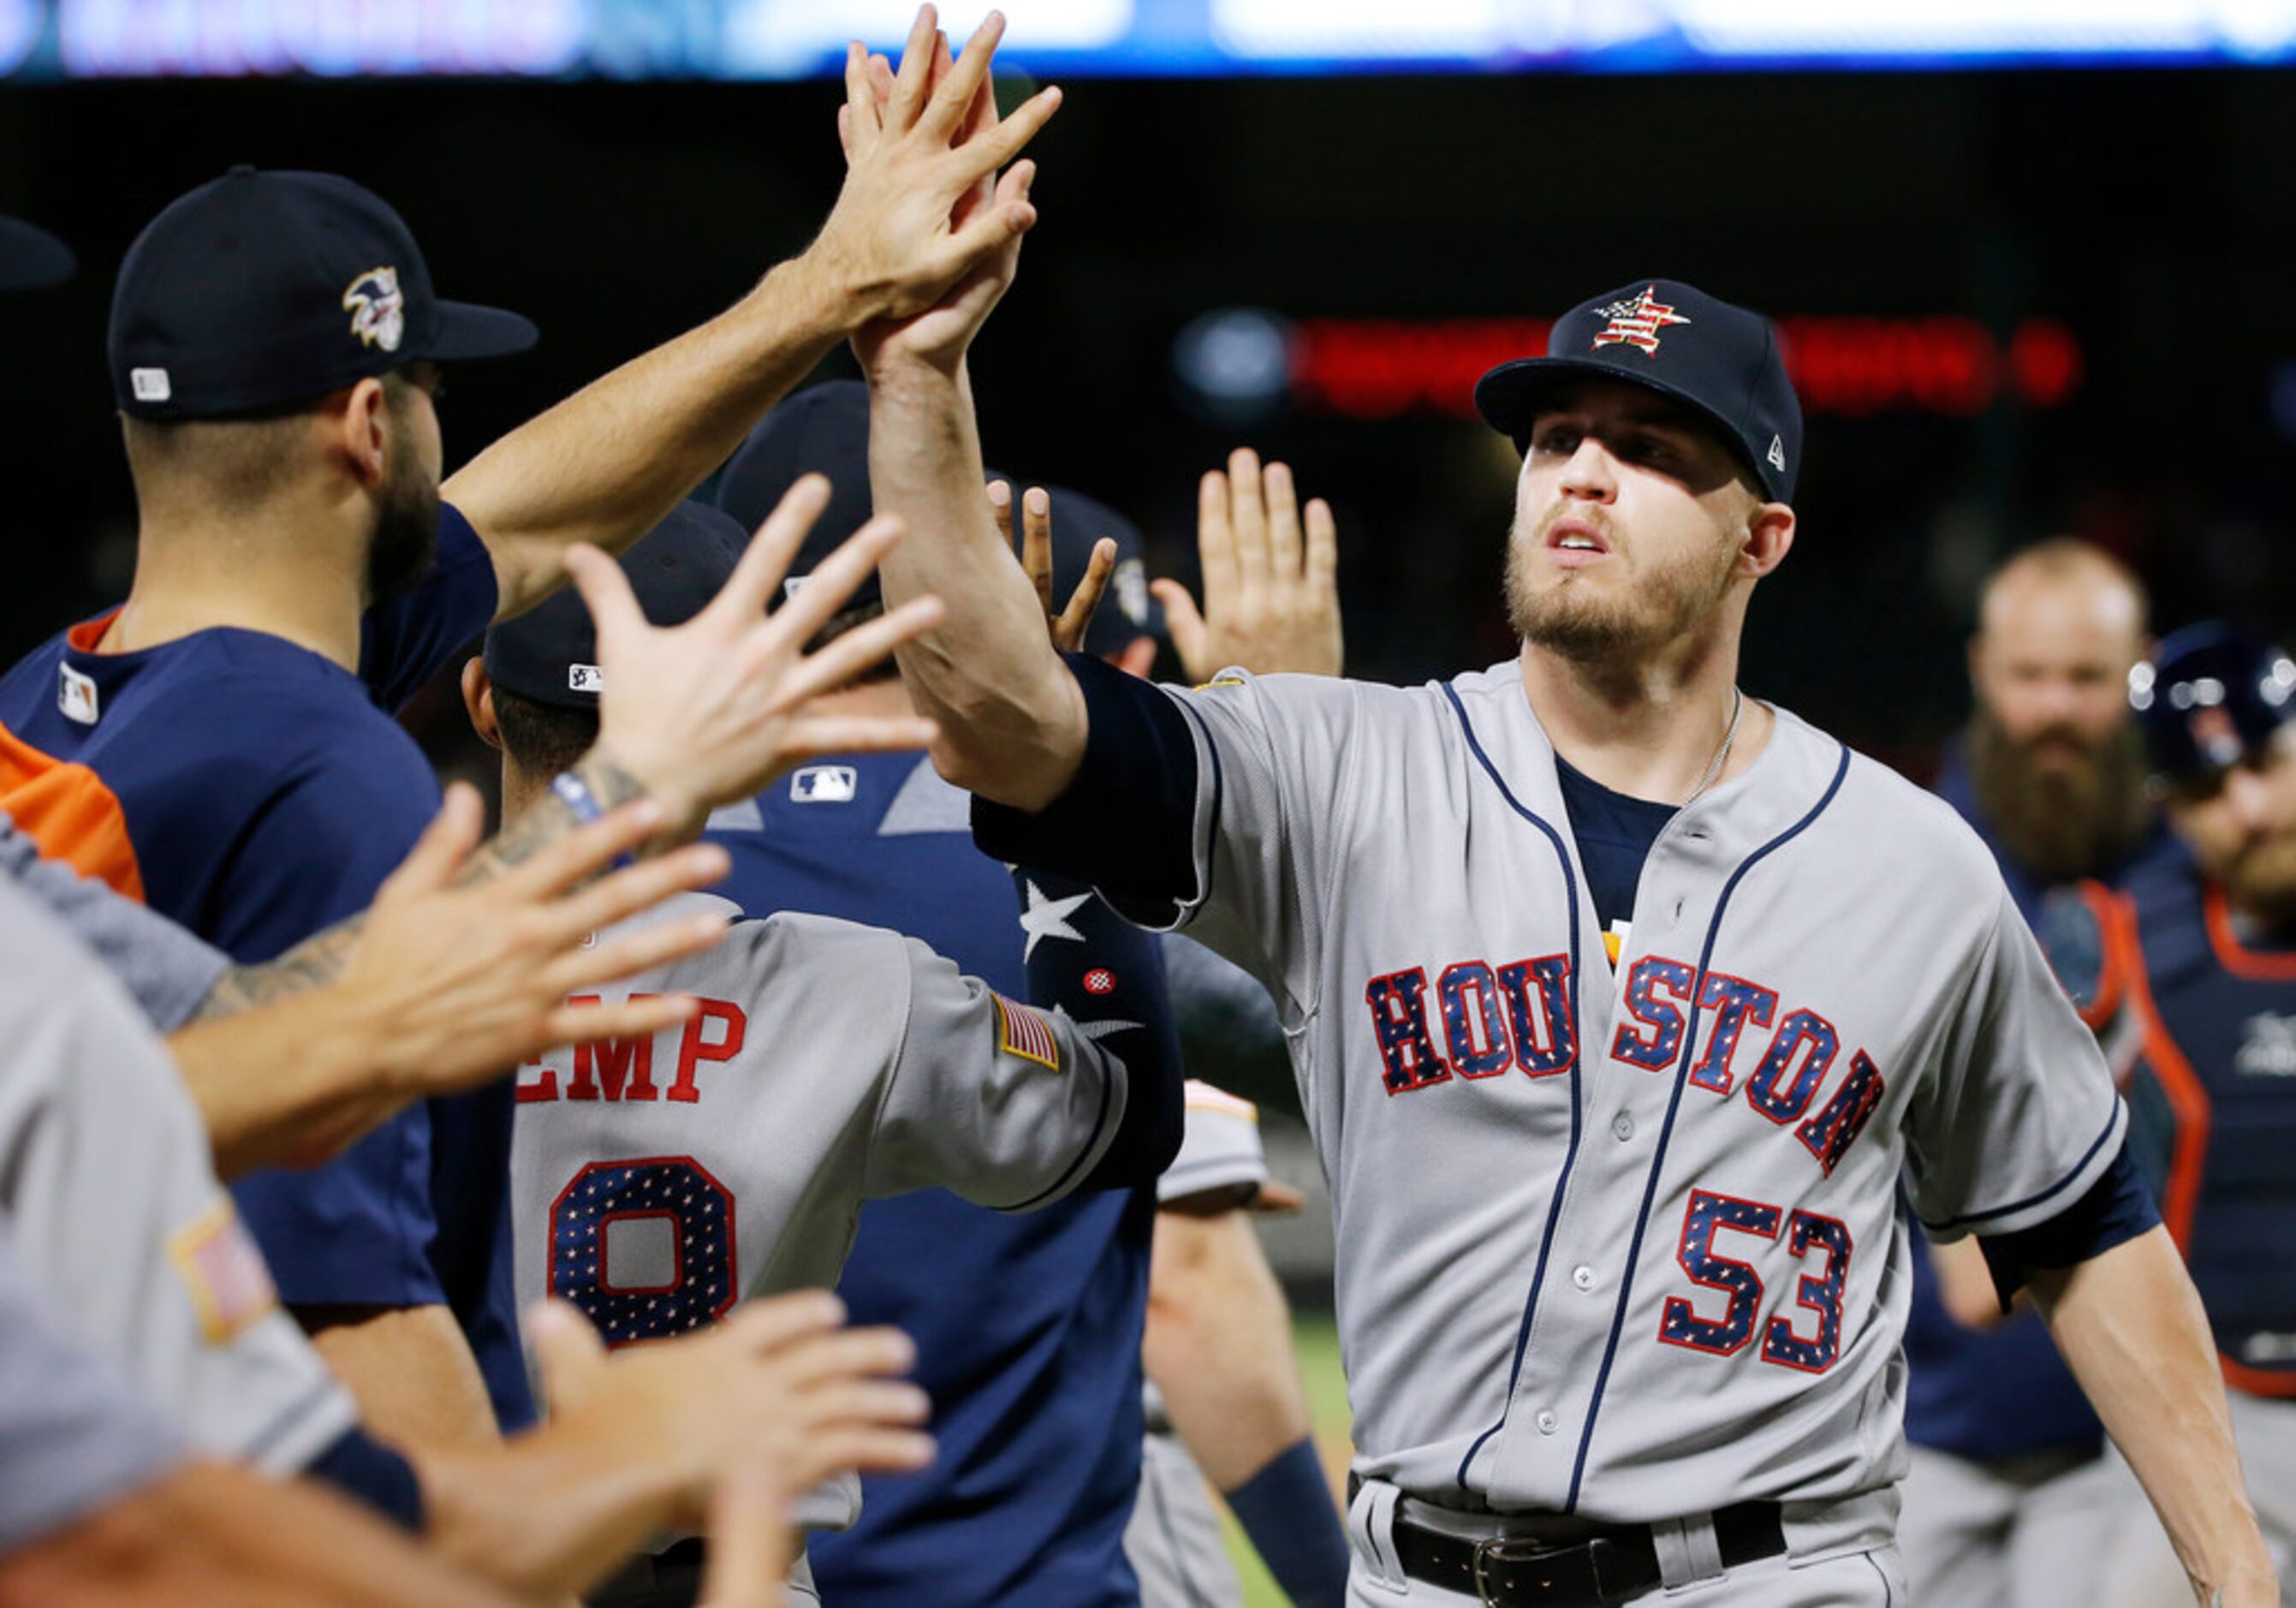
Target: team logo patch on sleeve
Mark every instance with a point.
(223, 1271)
(1024, 1032)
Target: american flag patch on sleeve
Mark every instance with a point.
(1024, 1032)
(223, 1271)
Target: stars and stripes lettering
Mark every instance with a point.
(691, 1274)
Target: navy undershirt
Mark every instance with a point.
(1615, 833)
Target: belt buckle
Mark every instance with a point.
(1495, 1548)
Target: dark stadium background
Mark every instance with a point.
(2151, 214)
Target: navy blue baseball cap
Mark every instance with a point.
(1673, 338)
(821, 429)
(1128, 610)
(2207, 696)
(258, 290)
(550, 653)
(31, 258)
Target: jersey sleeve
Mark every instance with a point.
(1005, 1104)
(2020, 1119)
(404, 641)
(1221, 809)
(165, 969)
(75, 1436)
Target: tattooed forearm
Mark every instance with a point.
(550, 819)
(318, 960)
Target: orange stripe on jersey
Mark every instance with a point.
(70, 812)
(2188, 1098)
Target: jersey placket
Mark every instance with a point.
(1542, 1451)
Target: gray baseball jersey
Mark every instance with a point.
(657, 1183)
(75, 1435)
(1622, 1241)
(167, 970)
(111, 1197)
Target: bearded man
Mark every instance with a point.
(2002, 1503)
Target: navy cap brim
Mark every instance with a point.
(31, 258)
(1509, 397)
(466, 331)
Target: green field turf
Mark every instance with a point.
(1328, 1406)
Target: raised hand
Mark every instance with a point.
(714, 710)
(1271, 597)
(778, 1384)
(923, 210)
(472, 977)
(1067, 625)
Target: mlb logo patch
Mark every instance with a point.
(585, 678)
(76, 697)
(823, 785)
(222, 1273)
(149, 384)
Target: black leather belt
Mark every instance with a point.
(1569, 1565)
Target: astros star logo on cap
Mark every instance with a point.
(1637, 323)
(378, 308)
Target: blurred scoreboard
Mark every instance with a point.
(744, 39)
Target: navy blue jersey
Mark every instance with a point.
(254, 792)
(1027, 1327)
(2213, 1108)
(2003, 1392)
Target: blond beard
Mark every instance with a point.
(1568, 620)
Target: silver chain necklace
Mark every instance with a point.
(1722, 754)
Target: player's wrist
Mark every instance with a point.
(830, 289)
(618, 771)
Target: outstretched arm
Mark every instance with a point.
(605, 465)
(1011, 718)
(2130, 1324)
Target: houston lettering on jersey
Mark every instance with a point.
(1516, 1018)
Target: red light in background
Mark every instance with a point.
(1847, 366)
(2045, 361)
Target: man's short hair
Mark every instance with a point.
(544, 738)
(236, 463)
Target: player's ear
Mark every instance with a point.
(363, 433)
(479, 700)
(1769, 536)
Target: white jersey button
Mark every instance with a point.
(1623, 1125)
(1583, 1277)
(1548, 1424)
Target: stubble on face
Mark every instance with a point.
(1600, 622)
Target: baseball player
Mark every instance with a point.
(2009, 1498)
(658, 1181)
(1621, 1281)
(2202, 959)
(276, 345)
